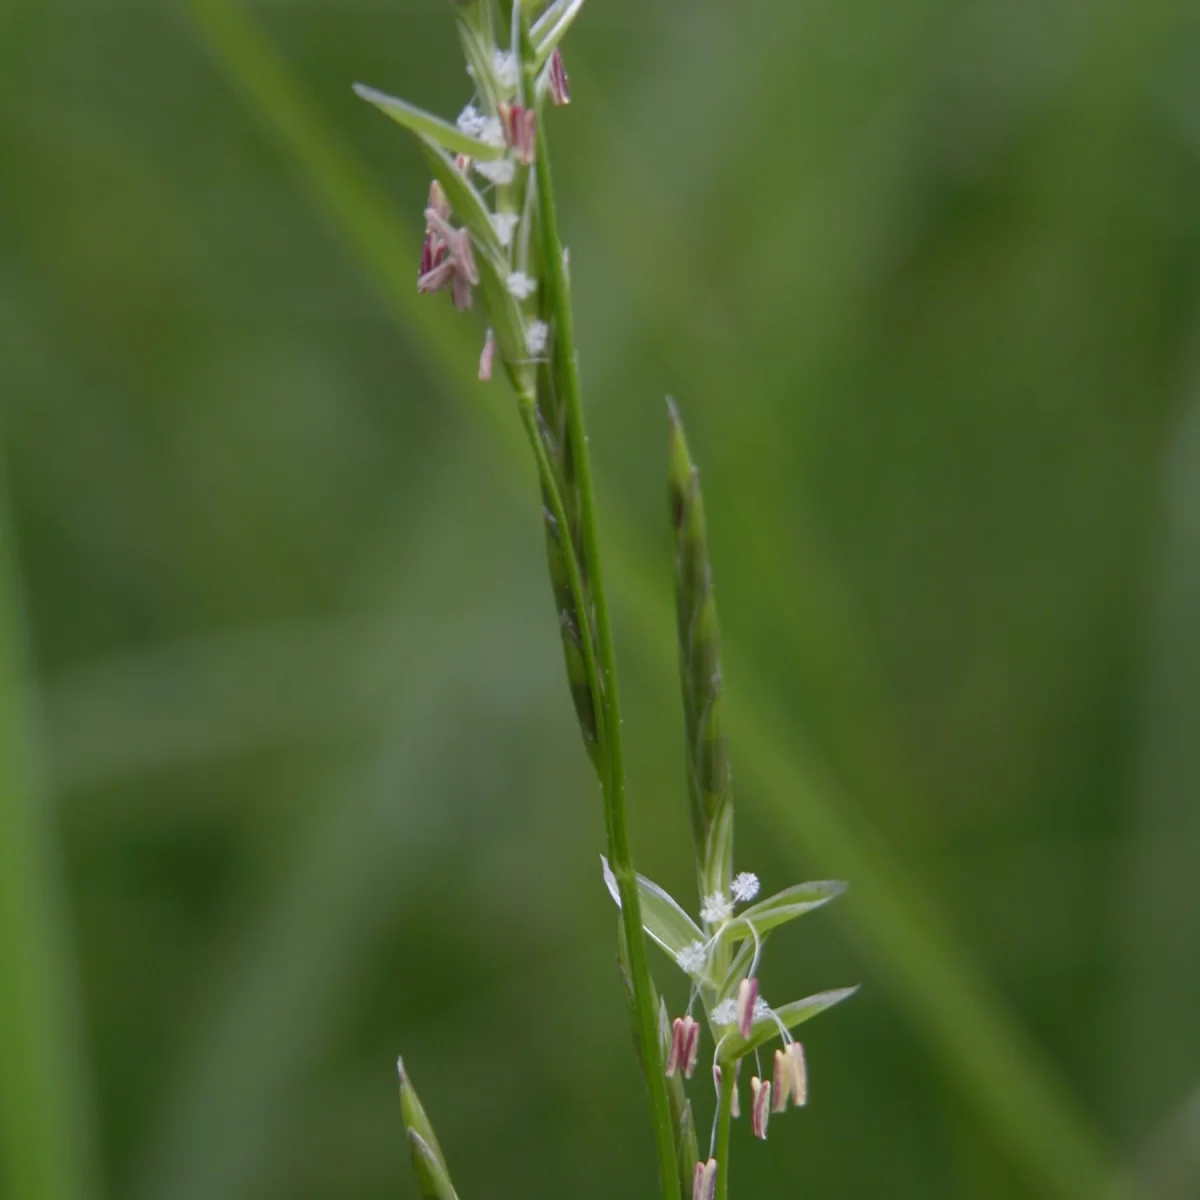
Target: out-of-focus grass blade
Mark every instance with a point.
(46, 1145)
(297, 965)
(1160, 985)
(965, 1026)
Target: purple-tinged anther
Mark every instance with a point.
(560, 93)
(704, 1180)
(455, 267)
(691, 1047)
(747, 994)
(433, 254)
(520, 130)
(685, 1045)
(433, 249)
(438, 201)
(486, 359)
(760, 1106)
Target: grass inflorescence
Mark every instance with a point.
(492, 234)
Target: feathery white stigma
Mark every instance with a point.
(471, 121)
(724, 1013)
(521, 285)
(716, 909)
(496, 170)
(505, 68)
(744, 887)
(504, 223)
(692, 958)
(536, 335)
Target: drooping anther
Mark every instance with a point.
(760, 1106)
(520, 131)
(452, 261)
(560, 93)
(685, 1046)
(486, 359)
(747, 995)
(704, 1180)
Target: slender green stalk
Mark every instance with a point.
(45, 1146)
(613, 774)
(724, 1123)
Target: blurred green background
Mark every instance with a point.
(289, 776)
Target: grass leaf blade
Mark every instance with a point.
(426, 125)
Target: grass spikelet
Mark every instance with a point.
(710, 784)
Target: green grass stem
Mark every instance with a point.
(620, 854)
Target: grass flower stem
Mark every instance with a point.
(724, 1124)
(620, 855)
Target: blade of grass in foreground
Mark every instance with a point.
(982, 1048)
(45, 1132)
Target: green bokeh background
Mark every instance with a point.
(923, 276)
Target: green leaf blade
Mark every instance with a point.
(791, 1015)
(786, 906)
(551, 27)
(426, 125)
(430, 1171)
(429, 1166)
(662, 918)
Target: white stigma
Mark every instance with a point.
(744, 887)
(725, 1013)
(716, 909)
(504, 66)
(471, 121)
(504, 224)
(762, 1009)
(521, 285)
(693, 958)
(498, 170)
(536, 334)
(491, 132)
